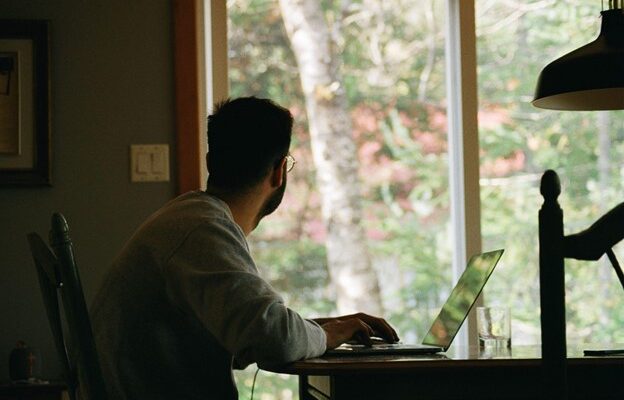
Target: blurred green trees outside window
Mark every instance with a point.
(518, 142)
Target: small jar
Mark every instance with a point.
(24, 363)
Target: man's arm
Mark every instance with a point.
(212, 276)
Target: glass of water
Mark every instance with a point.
(494, 327)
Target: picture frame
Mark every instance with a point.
(24, 103)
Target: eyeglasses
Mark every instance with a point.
(290, 162)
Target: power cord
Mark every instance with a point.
(253, 385)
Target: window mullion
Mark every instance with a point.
(463, 142)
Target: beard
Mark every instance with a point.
(273, 201)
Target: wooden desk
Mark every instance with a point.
(458, 374)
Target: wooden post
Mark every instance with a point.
(552, 289)
(186, 35)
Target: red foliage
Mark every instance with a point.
(493, 117)
(504, 166)
(315, 230)
(431, 143)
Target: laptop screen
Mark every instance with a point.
(462, 297)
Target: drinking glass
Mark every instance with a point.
(494, 327)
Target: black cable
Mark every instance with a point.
(253, 385)
(616, 266)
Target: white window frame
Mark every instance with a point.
(463, 137)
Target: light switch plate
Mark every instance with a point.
(149, 163)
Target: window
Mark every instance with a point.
(383, 82)
(515, 40)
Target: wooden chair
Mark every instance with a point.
(58, 273)
(554, 248)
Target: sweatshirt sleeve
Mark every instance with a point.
(213, 275)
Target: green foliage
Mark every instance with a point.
(298, 270)
(267, 386)
(260, 59)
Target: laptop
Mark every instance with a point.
(449, 320)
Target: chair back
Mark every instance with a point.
(58, 273)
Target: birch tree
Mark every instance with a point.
(334, 153)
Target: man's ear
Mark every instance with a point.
(277, 174)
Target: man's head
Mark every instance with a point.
(247, 138)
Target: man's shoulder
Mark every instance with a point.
(199, 203)
(190, 210)
(187, 215)
(204, 230)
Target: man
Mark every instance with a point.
(184, 301)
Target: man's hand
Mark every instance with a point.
(356, 326)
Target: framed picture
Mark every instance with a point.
(24, 103)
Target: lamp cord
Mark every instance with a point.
(253, 385)
(616, 266)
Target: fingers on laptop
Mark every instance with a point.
(341, 331)
(380, 326)
(361, 331)
(359, 327)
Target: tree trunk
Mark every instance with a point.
(335, 158)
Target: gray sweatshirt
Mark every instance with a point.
(182, 300)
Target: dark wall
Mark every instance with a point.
(112, 86)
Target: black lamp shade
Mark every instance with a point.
(590, 77)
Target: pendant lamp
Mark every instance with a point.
(590, 77)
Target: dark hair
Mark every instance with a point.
(247, 136)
